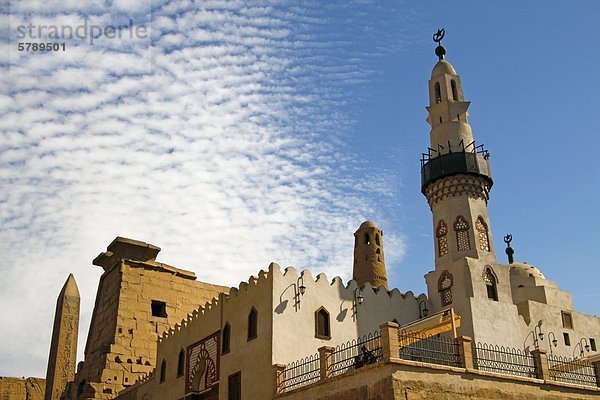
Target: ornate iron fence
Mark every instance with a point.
(355, 354)
(503, 360)
(300, 373)
(579, 372)
(430, 349)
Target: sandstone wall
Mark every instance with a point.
(408, 380)
(22, 388)
(122, 340)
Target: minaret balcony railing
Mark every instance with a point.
(453, 160)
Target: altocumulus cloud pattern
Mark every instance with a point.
(220, 137)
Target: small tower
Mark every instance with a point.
(63, 348)
(369, 261)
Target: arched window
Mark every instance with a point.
(461, 227)
(252, 324)
(367, 239)
(445, 288)
(377, 240)
(454, 91)
(181, 363)
(441, 233)
(482, 234)
(490, 282)
(226, 338)
(438, 93)
(322, 324)
(163, 370)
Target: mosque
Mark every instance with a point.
(484, 330)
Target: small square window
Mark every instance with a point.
(567, 320)
(593, 344)
(567, 339)
(159, 309)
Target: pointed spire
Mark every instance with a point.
(63, 347)
(70, 287)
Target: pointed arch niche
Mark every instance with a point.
(482, 234)
(163, 370)
(181, 363)
(226, 339)
(454, 91)
(322, 324)
(445, 284)
(252, 324)
(491, 282)
(461, 227)
(441, 233)
(438, 93)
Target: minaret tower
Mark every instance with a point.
(369, 264)
(456, 180)
(455, 172)
(63, 348)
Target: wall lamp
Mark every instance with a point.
(582, 346)
(358, 296)
(299, 290)
(423, 310)
(537, 333)
(554, 341)
(301, 286)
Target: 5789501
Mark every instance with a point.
(28, 46)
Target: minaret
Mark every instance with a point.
(63, 348)
(369, 262)
(455, 172)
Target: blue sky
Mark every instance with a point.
(240, 133)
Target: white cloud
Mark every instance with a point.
(220, 143)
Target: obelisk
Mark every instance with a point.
(63, 348)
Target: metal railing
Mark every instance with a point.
(300, 373)
(469, 159)
(355, 354)
(459, 148)
(381, 345)
(503, 360)
(579, 372)
(429, 349)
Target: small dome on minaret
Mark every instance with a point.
(442, 67)
(369, 261)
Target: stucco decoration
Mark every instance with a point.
(202, 369)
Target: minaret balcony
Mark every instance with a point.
(470, 160)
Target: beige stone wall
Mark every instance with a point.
(584, 327)
(121, 344)
(202, 324)
(286, 330)
(294, 325)
(22, 388)
(371, 383)
(416, 381)
(250, 357)
(102, 326)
